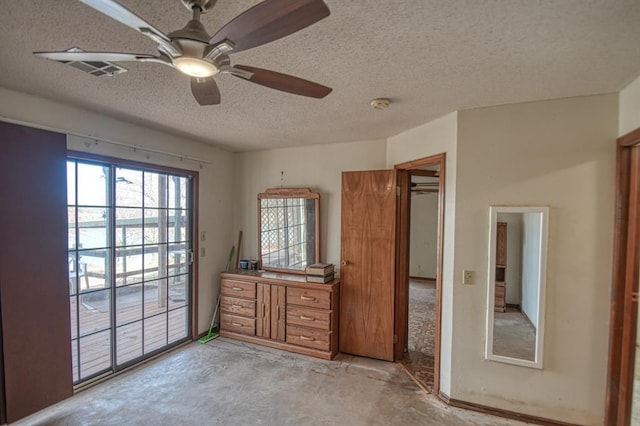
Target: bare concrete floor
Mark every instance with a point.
(232, 383)
(513, 335)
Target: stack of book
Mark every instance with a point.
(320, 272)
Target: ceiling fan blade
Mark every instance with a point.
(118, 12)
(97, 56)
(269, 21)
(284, 82)
(205, 90)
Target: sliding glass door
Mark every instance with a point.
(129, 264)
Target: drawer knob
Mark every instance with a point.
(308, 298)
(237, 288)
(237, 324)
(310, 339)
(302, 317)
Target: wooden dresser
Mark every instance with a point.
(280, 310)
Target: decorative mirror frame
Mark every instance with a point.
(539, 342)
(305, 193)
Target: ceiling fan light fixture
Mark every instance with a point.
(195, 67)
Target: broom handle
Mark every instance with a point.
(238, 252)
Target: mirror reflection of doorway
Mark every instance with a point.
(420, 350)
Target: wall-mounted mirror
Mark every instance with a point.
(289, 229)
(517, 272)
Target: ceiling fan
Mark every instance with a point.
(195, 53)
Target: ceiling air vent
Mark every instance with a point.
(97, 68)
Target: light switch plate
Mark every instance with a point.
(467, 277)
(203, 236)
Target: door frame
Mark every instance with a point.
(624, 310)
(404, 172)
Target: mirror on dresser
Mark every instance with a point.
(288, 229)
(516, 284)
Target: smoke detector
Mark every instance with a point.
(380, 103)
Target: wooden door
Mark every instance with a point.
(278, 294)
(34, 282)
(368, 263)
(263, 314)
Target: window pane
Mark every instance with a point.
(92, 269)
(155, 297)
(73, 310)
(95, 353)
(178, 324)
(92, 227)
(178, 192)
(74, 360)
(177, 223)
(128, 226)
(178, 294)
(128, 265)
(128, 304)
(71, 182)
(155, 333)
(151, 235)
(95, 312)
(71, 227)
(128, 187)
(178, 259)
(155, 190)
(128, 342)
(152, 268)
(92, 185)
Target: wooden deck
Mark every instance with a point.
(140, 329)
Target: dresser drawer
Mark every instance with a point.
(311, 338)
(311, 298)
(238, 324)
(309, 317)
(241, 289)
(237, 306)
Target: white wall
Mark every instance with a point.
(531, 265)
(558, 153)
(434, 138)
(424, 235)
(318, 167)
(629, 118)
(215, 212)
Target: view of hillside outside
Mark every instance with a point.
(129, 264)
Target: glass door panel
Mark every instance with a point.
(129, 264)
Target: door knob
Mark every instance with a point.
(344, 262)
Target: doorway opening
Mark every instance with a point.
(419, 266)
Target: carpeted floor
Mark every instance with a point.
(419, 361)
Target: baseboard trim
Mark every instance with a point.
(503, 413)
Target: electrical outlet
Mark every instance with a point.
(467, 277)
(203, 252)
(203, 236)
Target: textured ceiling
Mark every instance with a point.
(430, 57)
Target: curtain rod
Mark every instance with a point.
(103, 140)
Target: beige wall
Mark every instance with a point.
(423, 235)
(436, 137)
(216, 195)
(557, 153)
(629, 118)
(318, 167)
